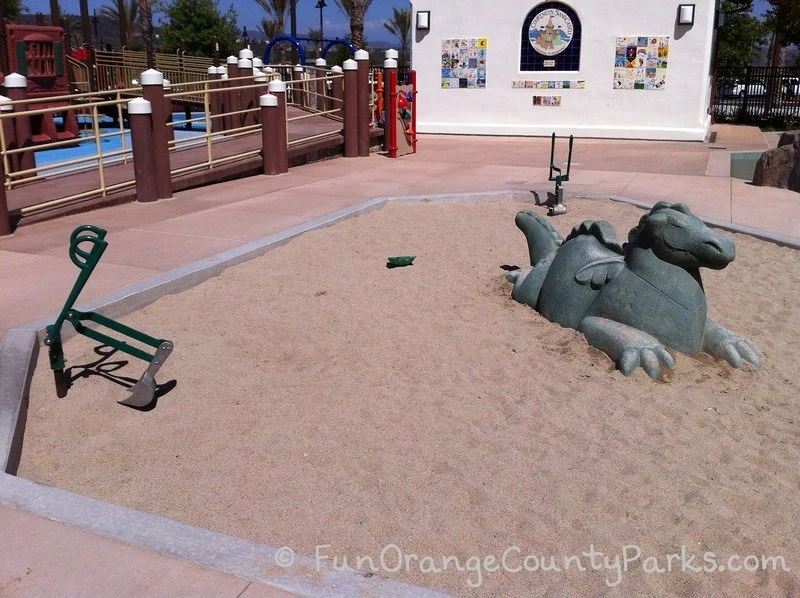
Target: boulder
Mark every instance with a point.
(794, 177)
(788, 138)
(780, 167)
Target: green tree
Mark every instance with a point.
(196, 23)
(12, 9)
(783, 19)
(356, 12)
(739, 38)
(339, 53)
(400, 26)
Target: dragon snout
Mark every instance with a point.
(717, 251)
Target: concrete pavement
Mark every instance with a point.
(43, 557)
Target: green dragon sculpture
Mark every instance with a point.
(633, 300)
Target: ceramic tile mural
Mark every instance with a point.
(527, 84)
(547, 100)
(464, 63)
(641, 62)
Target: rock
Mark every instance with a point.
(788, 138)
(776, 167)
(794, 177)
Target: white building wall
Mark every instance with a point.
(678, 112)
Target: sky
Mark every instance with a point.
(250, 15)
(335, 24)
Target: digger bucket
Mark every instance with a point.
(143, 392)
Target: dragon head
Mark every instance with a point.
(678, 237)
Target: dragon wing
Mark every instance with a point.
(600, 272)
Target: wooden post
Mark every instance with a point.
(389, 67)
(298, 96)
(322, 88)
(260, 78)
(168, 111)
(223, 119)
(10, 134)
(153, 91)
(140, 115)
(350, 108)
(231, 121)
(215, 51)
(362, 86)
(270, 152)
(247, 97)
(277, 88)
(214, 98)
(5, 219)
(17, 89)
(337, 90)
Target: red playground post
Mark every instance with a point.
(414, 111)
(391, 114)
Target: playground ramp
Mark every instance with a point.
(213, 128)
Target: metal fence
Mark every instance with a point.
(119, 69)
(758, 95)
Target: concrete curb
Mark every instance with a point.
(222, 552)
(18, 356)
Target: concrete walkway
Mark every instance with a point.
(41, 557)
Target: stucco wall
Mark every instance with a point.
(680, 111)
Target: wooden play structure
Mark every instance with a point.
(38, 53)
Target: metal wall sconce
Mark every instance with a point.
(686, 14)
(423, 20)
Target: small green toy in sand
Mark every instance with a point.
(400, 261)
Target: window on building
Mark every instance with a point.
(551, 39)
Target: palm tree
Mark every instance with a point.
(400, 26)
(317, 48)
(356, 11)
(270, 28)
(130, 14)
(276, 15)
(145, 20)
(73, 30)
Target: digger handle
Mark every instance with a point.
(87, 260)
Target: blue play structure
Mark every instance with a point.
(295, 41)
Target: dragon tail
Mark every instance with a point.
(542, 238)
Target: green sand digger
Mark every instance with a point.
(86, 259)
(558, 207)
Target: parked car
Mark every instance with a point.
(791, 86)
(755, 88)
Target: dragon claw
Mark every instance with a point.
(730, 346)
(648, 358)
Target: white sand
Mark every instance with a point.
(324, 399)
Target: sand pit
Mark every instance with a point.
(323, 399)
